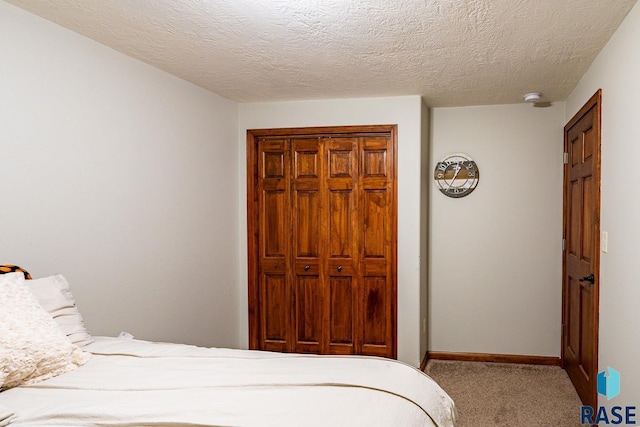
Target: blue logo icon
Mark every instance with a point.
(609, 385)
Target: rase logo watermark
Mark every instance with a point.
(609, 386)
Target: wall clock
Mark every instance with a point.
(456, 175)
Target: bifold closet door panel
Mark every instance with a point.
(274, 279)
(308, 237)
(342, 332)
(376, 227)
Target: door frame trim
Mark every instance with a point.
(253, 136)
(594, 102)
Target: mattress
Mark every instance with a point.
(142, 383)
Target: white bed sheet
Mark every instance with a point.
(140, 383)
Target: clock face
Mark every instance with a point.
(456, 175)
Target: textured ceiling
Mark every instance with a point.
(452, 52)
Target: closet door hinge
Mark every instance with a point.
(565, 158)
(564, 244)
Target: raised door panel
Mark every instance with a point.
(274, 245)
(341, 317)
(307, 208)
(308, 314)
(274, 211)
(374, 212)
(375, 312)
(341, 227)
(306, 223)
(275, 312)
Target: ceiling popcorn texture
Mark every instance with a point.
(452, 52)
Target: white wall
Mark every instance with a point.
(495, 255)
(406, 113)
(617, 71)
(121, 177)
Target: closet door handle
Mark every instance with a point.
(306, 268)
(590, 278)
(339, 268)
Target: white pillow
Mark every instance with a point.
(32, 346)
(54, 295)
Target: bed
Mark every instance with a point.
(84, 380)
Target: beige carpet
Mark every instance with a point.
(501, 394)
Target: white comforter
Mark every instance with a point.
(139, 383)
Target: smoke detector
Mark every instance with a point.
(532, 97)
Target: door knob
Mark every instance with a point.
(306, 268)
(339, 268)
(590, 278)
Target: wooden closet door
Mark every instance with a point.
(308, 240)
(274, 242)
(342, 304)
(322, 240)
(377, 225)
(325, 245)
